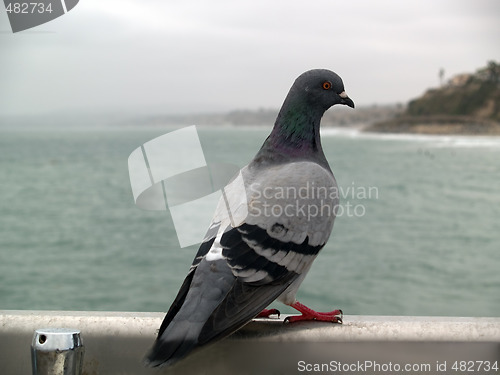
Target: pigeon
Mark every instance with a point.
(272, 220)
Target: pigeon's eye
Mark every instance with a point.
(327, 85)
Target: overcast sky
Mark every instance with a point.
(158, 56)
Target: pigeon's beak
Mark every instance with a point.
(344, 99)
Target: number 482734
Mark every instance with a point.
(474, 366)
(25, 8)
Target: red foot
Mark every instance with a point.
(309, 314)
(266, 313)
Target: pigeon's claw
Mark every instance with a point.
(324, 317)
(266, 313)
(308, 314)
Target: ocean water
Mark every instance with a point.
(418, 233)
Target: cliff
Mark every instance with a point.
(466, 104)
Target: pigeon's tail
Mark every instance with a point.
(203, 290)
(181, 341)
(211, 304)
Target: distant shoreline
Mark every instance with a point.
(436, 125)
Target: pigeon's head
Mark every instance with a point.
(296, 130)
(321, 88)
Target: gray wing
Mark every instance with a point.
(246, 261)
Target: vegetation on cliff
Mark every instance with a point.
(466, 104)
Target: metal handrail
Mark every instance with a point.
(115, 343)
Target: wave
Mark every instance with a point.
(449, 140)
